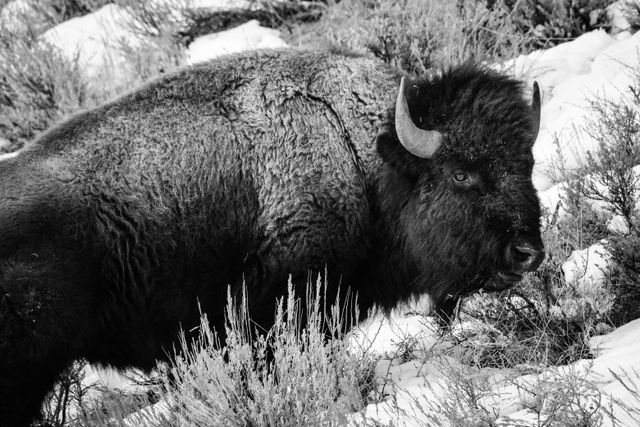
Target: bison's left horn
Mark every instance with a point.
(419, 142)
(535, 110)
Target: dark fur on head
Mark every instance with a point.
(458, 234)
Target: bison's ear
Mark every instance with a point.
(398, 158)
(535, 110)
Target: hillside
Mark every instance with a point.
(560, 349)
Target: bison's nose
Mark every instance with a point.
(526, 256)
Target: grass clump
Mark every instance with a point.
(38, 86)
(294, 374)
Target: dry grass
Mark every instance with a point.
(294, 374)
(38, 86)
(415, 35)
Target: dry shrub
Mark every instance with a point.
(293, 375)
(555, 21)
(415, 35)
(606, 175)
(270, 13)
(38, 86)
(57, 11)
(562, 397)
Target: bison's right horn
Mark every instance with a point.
(419, 142)
(535, 109)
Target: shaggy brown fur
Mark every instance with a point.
(115, 224)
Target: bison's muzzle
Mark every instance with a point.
(523, 255)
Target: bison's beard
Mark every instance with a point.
(502, 281)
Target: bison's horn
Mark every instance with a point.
(535, 110)
(419, 142)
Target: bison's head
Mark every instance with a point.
(459, 166)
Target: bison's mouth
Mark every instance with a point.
(503, 280)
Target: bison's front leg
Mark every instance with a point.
(43, 324)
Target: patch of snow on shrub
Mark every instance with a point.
(591, 264)
(617, 224)
(586, 270)
(5, 156)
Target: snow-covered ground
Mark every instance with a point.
(596, 65)
(417, 390)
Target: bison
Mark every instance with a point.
(119, 223)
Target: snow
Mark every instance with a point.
(98, 42)
(417, 390)
(389, 336)
(5, 156)
(587, 265)
(573, 75)
(95, 42)
(250, 35)
(98, 377)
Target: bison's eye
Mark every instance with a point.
(460, 177)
